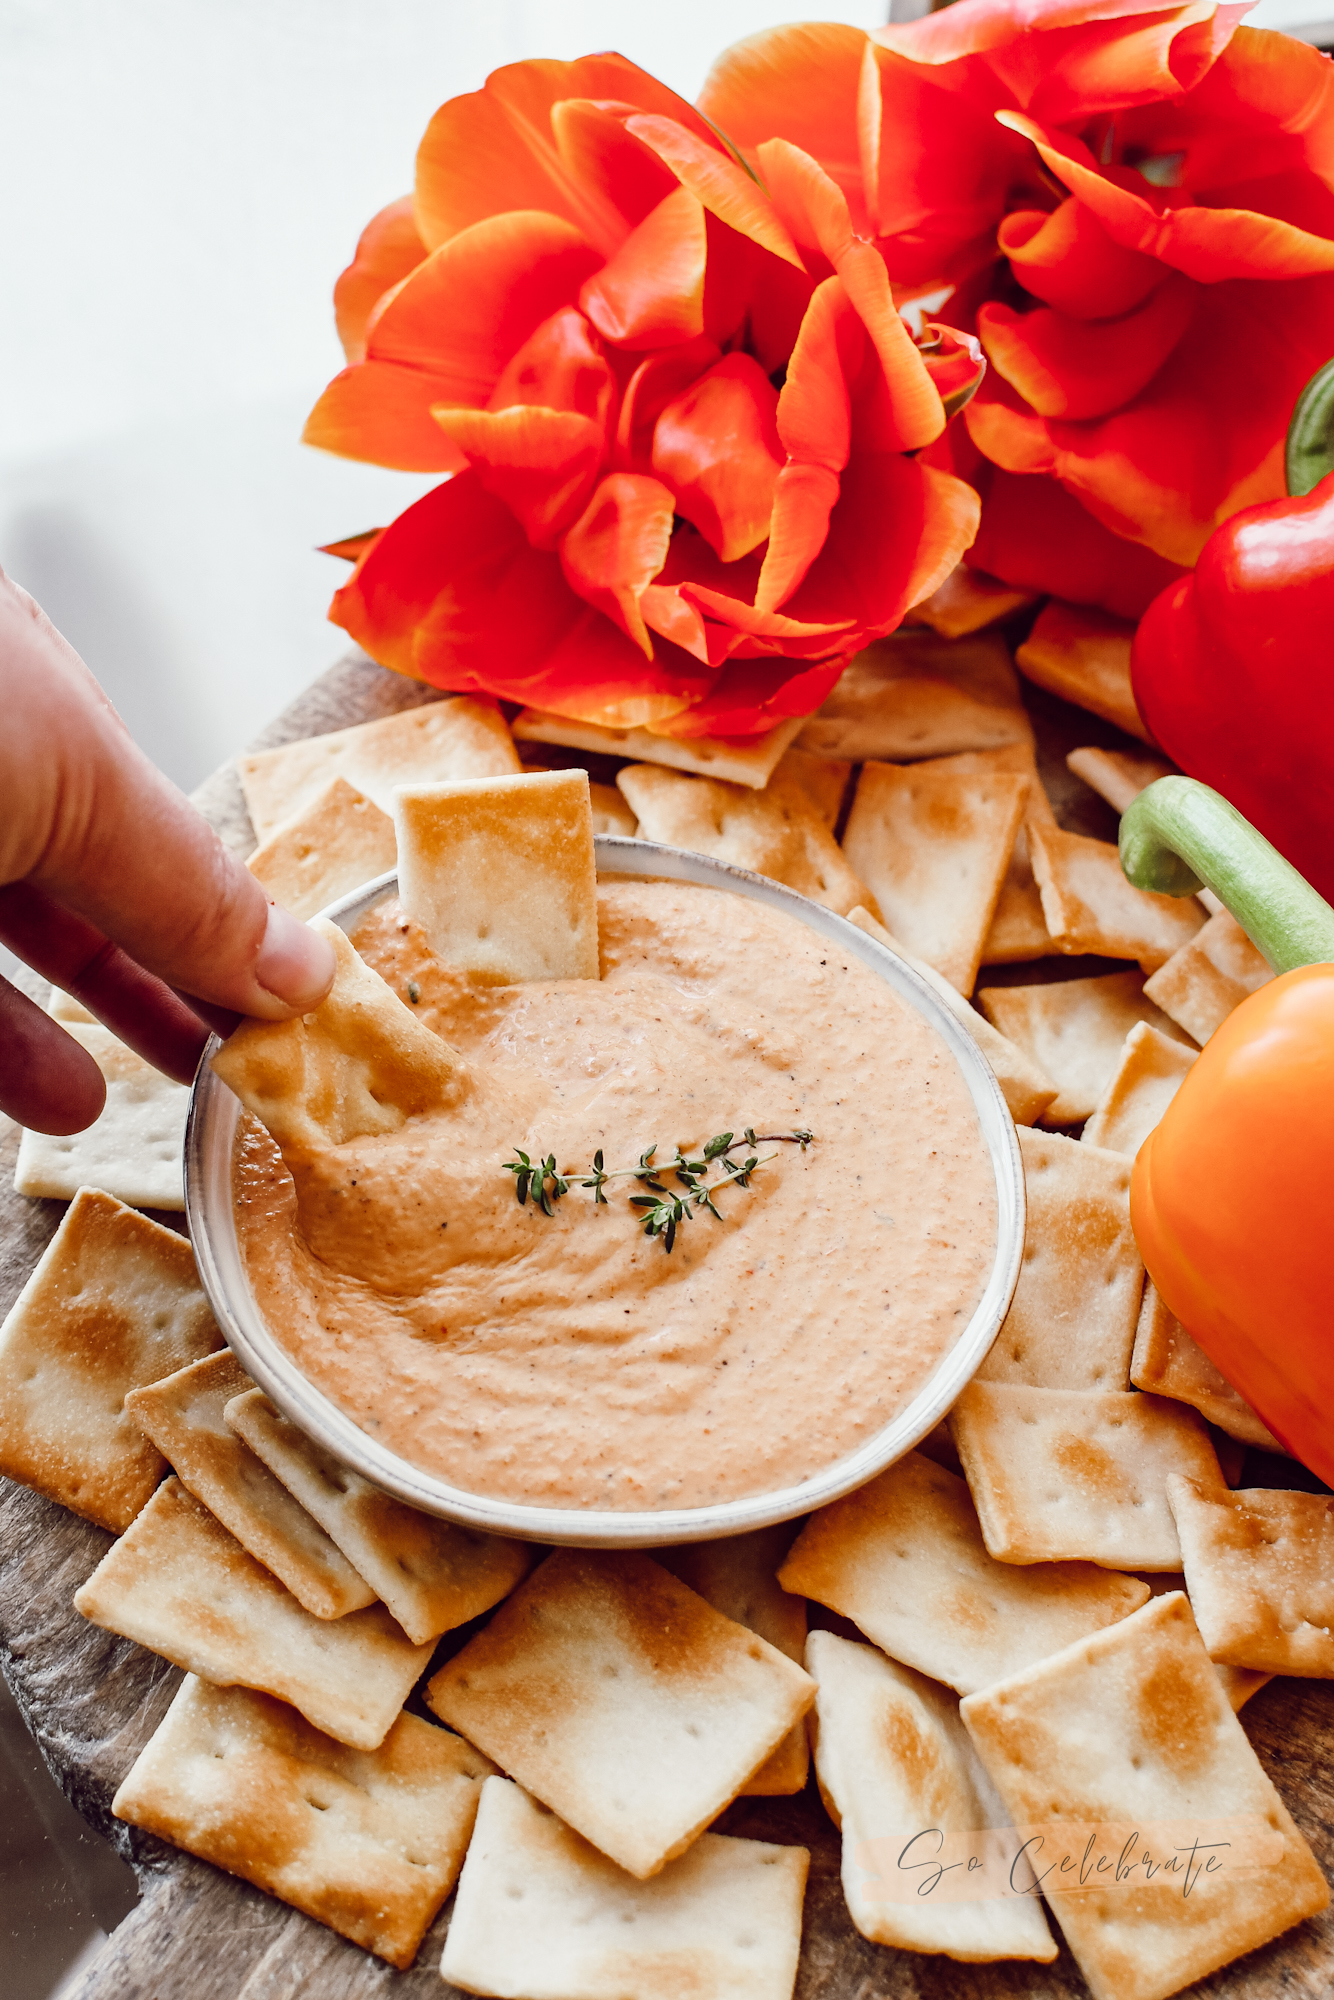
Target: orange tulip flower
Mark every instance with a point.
(678, 402)
(1134, 204)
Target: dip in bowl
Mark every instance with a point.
(564, 1377)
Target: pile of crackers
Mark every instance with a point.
(1030, 1638)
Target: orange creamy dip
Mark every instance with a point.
(570, 1361)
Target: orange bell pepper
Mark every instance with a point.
(1230, 1196)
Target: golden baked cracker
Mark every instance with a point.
(1260, 1571)
(1128, 1736)
(1026, 1089)
(823, 781)
(113, 1302)
(1061, 1475)
(1169, 1363)
(368, 1842)
(1151, 1071)
(454, 738)
(738, 1575)
(331, 845)
(1018, 929)
(1119, 776)
(917, 695)
(610, 812)
(1084, 656)
(1089, 906)
(360, 1063)
(1199, 986)
(431, 1575)
(539, 1911)
(623, 1701)
(742, 760)
(1239, 1684)
(904, 1559)
(777, 832)
(1071, 1323)
(966, 602)
(933, 841)
(1074, 1030)
(894, 1761)
(134, 1151)
(183, 1417)
(499, 873)
(178, 1583)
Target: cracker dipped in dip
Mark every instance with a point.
(568, 1359)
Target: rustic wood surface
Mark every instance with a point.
(92, 1700)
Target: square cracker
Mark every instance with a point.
(1169, 1363)
(777, 832)
(114, 1302)
(1151, 1071)
(823, 780)
(183, 1417)
(623, 1701)
(542, 1913)
(738, 1575)
(933, 841)
(610, 812)
(368, 1842)
(1259, 1567)
(1084, 656)
(334, 843)
(966, 602)
(893, 1758)
(499, 872)
(742, 760)
(178, 1583)
(1074, 1474)
(917, 695)
(1074, 1030)
(1089, 905)
(431, 1575)
(1018, 929)
(1130, 1730)
(135, 1149)
(458, 738)
(359, 1063)
(1026, 1089)
(1119, 776)
(1071, 1323)
(1201, 984)
(903, 1558)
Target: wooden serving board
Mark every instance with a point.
(92, 1700)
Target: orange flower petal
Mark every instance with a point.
(651, 293)
(815, 424)
(1067, 259)
(1078, 368)
(382, 415)
(601, 156)
(541, 463)
(895, 535)
(561, 366)
(1036, 536)
(804, 499)
(617, 546)
(387, 249)
(716, 445)
(495, 149)
(462, 313)
(723, 187)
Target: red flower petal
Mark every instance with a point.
(387, 249)
(750, 697)
(1076, 368)
(815, 425)
(716, 445)
(1067, 259)
(1036, 536)
(651, 293)
(616, 548)
(896, 533)
(462, 314)
(648, 392)
(561, 366)
(382, 414)
(542, 463)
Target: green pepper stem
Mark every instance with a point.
(1179, 835)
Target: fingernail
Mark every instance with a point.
(295, 964)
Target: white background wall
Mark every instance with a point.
(183, 181)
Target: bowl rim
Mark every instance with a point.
(210, 1130)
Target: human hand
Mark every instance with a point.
(115, 888)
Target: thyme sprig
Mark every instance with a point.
(662, 1209)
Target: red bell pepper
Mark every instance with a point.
(1233, 666)
(1230, 1193)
